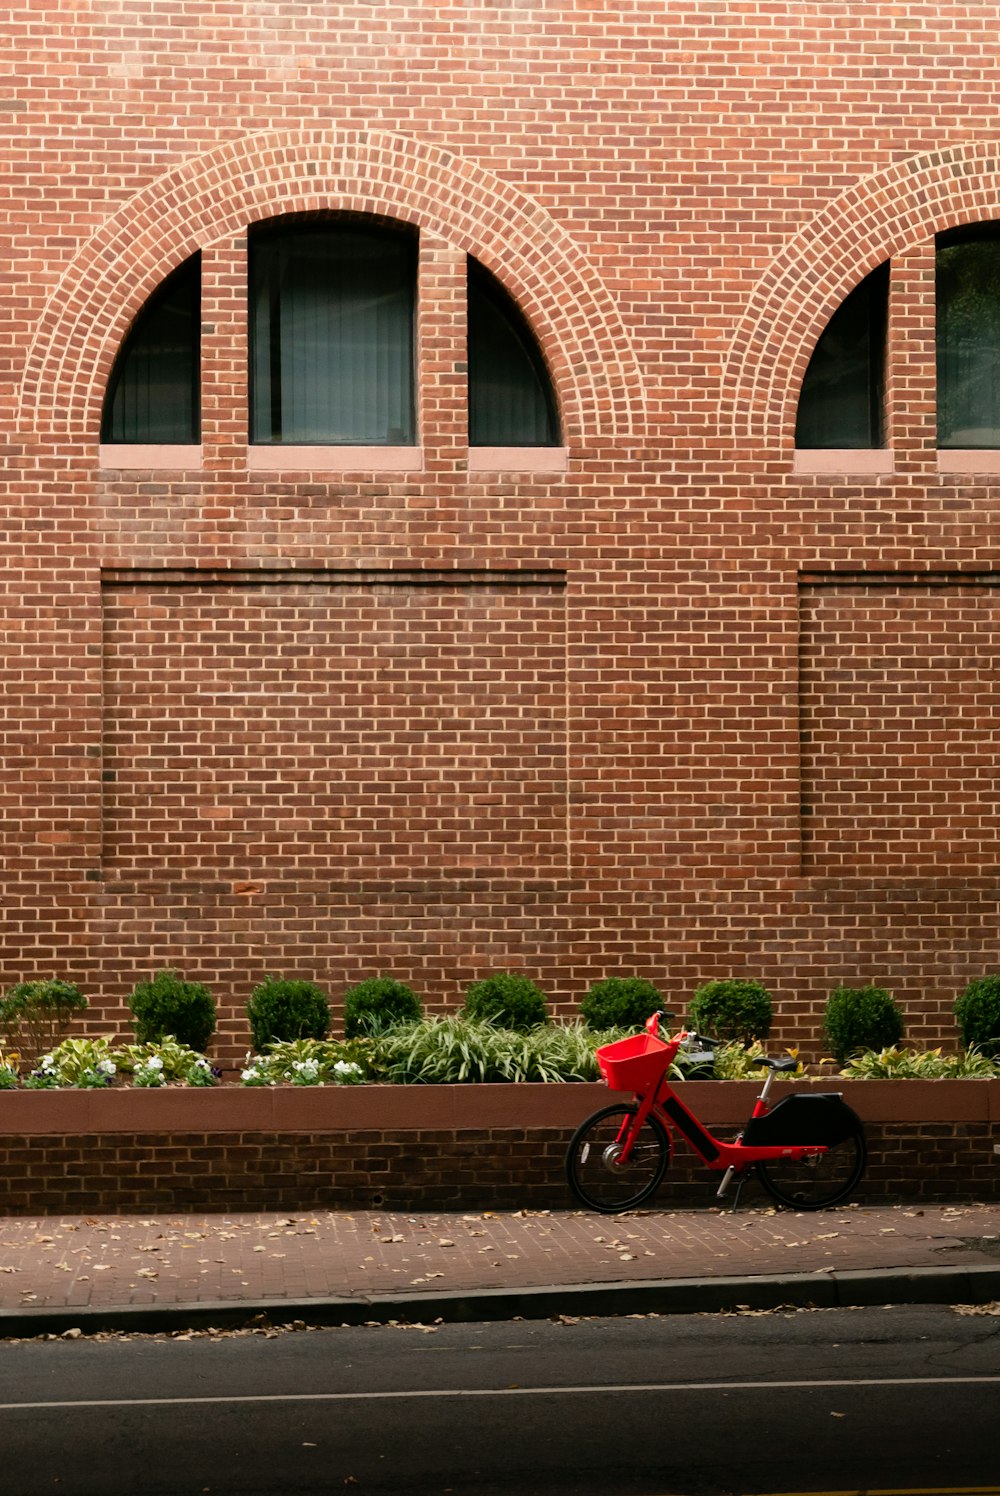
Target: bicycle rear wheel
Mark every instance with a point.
(597, 1177)
(819, 1180)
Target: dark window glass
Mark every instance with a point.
(152, 395)
(332, 335)
(510, 396)
(843, 391)
(968, 337)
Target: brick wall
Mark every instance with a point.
(658, 710)
(497, 1168)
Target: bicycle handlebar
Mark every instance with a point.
(653, 1021)
(653, 1027)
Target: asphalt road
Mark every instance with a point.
(872, 1399)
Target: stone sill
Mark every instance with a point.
(842, 461)
(328, 461)
(871, 462)
(470, 1108)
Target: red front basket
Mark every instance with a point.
(633, 1064)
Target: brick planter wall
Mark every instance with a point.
(426, 1148)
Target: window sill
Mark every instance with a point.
(127, 458)
(862, 461)
(143, 457)
(291, 459)
(968, 460)
(518, 459)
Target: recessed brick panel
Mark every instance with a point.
(900, 715)
(382, 727)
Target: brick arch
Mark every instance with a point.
(214, 197)
(890, 212)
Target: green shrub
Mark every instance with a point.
(732, 1009)
(169, 1005)
(978, 1014)
(287, 1008)
(861, 1018)
(507, 999)
(620, 1002)
(34, 1016)
(378, 1003)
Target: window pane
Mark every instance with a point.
(332, 336)
(842, 393)
(968, 338)
(510, 397)
(153, 391)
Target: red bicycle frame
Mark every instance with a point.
(730, 1159)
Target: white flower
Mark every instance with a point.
(345, 1068)
(106, 1067)
(47, 1062)
(155, 1063)
(250, 1073)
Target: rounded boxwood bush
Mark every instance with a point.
(168, 1004)
(861, 1018)
(378, 1003)
(507, 999)
(732, 1009)
(283, 1008)
(620, 1002)
(978, 1014)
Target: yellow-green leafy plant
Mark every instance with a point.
(164, 1063)
(896, 1063)
(9, 1077)
(736, 1062)
(87, 1064)
(310, 1062)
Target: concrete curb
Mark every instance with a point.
(826, 1290)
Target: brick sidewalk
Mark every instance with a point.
(164, 1261)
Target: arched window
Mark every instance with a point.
(152, 395)
(968, 336)
(510, 395)
(331, 334)
(842, 398)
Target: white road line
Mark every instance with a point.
(843, 1383)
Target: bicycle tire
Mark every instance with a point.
(820, 1180)
(591, 1168)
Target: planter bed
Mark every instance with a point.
(429, 1147)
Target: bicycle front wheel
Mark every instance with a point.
(818, 1180)
(594, 1169)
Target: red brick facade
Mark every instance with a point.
(681, 702)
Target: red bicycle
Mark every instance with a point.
(808, 1150)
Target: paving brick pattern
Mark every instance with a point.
(167, 1260)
